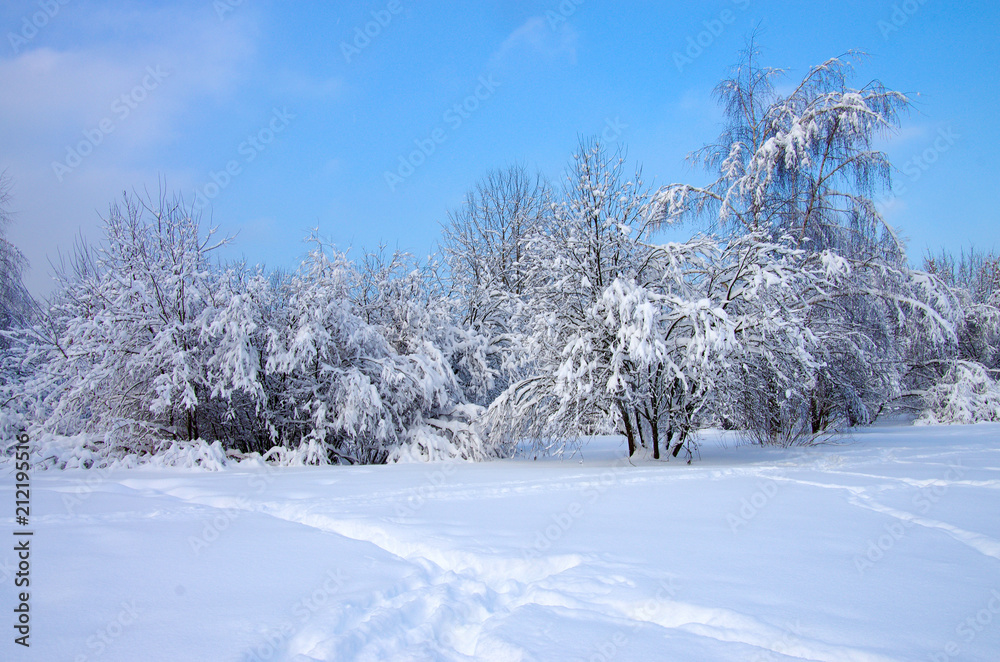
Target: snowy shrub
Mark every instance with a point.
(489, 246)
(80, 451)
(366, 380)
(974, 279)
(455, 437)
(118, 350)
(408, 305)
(967, 393)
(16, 304)
(147, 350)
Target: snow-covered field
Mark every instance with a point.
(883, 548)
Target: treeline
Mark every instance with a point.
(549, 313)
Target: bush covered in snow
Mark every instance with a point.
(966, 393)
(149, 349)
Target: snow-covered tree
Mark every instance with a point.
(655, 340)
(961, 386)
(593, 239)
(487, 246)
(412, 307)
(16, 305)
(118, 351)
(801, 165)
(803, 168)
(234, 334)
(966, 392)
(974, 279)
(486, 243)
(17, 309)
(365, 383)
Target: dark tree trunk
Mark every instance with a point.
(654, 429)
(819, 415)
(680, 444)
(629, 432)
(638, 427)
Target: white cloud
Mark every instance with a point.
(167, 63)
(534, 38)
(49, 217)
(304, 86)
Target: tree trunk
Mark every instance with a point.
(638, 426)
(679, 445)
(654, 421)
(629, 432)
(654, 427)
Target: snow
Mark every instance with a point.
(884, 547)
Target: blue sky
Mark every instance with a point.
(260, 111)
